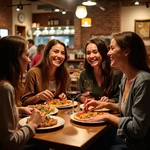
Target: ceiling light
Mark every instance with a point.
(136, 3)
(63, 12)
(19, 7)
(86, 22)
(89, 2)
(57, 10)
(81, 12)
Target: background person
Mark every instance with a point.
(97, 68)
(13, 62)
(50, 77)
(32, 51)
(133, 124)
(38, 56)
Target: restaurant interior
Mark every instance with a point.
(39, 20)
(73, 22)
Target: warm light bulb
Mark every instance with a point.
(86, 22)
(81, 12)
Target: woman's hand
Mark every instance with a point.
(35, 118)
(85, 96)
(106, 99)
(45, 95)
(62, 96)
(96, 105)
(25, 110)
(97, 118)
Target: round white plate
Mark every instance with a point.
(54, 112)
(68, 106)
(103, 109)
(86, 122)
(75, 104)
(60, 122)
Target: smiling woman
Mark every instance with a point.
(97, 68)
(49, 75)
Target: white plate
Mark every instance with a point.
(86, 122)
(75, 104)
(103, 109)
(60, 122)
(54, 112)
(68, 106)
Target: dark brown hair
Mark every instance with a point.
(12, 48)
(107, 73)
(138, 56)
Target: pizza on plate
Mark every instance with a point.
(58, 102)
(44, 109)
(47, 121)
(82, 115)
(101, 109)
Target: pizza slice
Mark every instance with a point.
(58, 102)
(44, 109)
(47, 121)
(82, 115)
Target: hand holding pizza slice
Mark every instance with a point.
(94, 105)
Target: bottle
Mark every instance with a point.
(49, 21)
(67, 22)
(52, 21)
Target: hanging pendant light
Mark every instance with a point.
(89, 2)
(81, 12)
(86, 22)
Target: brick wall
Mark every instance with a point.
(6, 15)
(103, 23)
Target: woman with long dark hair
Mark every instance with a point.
(97, 68)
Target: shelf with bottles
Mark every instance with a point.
(53, 19)
(59, 30)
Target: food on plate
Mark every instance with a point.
(82, 115)
(58, 102)
(43, 108)
(47, 121)
(102, 109)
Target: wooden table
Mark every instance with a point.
(71, 136)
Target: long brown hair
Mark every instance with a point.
(12, 48)
(107, 73)
(61, 72)
(138, 57)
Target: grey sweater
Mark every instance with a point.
(135, 125)
(11, 138)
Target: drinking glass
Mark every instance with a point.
(88, 86)
(72, 92)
